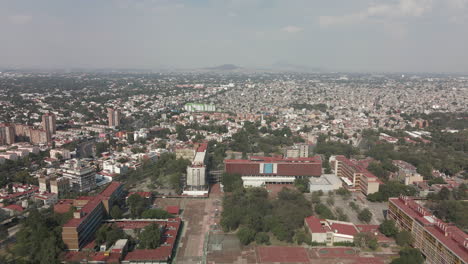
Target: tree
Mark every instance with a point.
(444, 193)
(365, 240)
(137, 205)
(409, 256)
(39, 238)
(388, 228)
(116, 212)
(365, 215)
(344, 193)
(108, 234)
(156, 214)
(404, 238)
(245, 235)
(302, 185)
(181, 133)
(301, 237)
(262, 238)
(231, 182)
(323, 211)
(150, 237)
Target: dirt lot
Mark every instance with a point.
(198, 216)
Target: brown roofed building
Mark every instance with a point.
(258, 171)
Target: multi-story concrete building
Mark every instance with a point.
(39, 136)
(59, 185)
(48, 124)
(113, 116)
(407, 172)
(82, 176)
(259, 171)
(79, 230)
(60, 152)
(193, 107)
(196, 172)
(440, 242)
(7, 134)
(354, 176)
(298, 151)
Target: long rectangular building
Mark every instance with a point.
(440, 242)
(354, 176)
(81, 228)
(258, 171)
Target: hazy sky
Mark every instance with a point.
(347, 35)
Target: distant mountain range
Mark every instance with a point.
(225, 67)
(276, 67)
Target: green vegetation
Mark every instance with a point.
(101, 147)
(156, 214)
(354, 206)
(343, 244)
(150, 237)
(109, 234)
(329, 148)
(39, 239)
(388, 228)
(302, 185)
(231, 182)
(246, 235)
(249, 140)
(216, 154)
(344, 193)
(137, 205)
(262, 238)
(116, 212)
(391, 189)
(252, 212)
(167, 170)
(365, 240)
(447, 153)
(451, 206)
(319, 107)
(19, 171)
(382, 169)
(341, 215)
(324, 212)
(404, 238)
(365, 215)
(409, 256)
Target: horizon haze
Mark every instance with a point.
(362, 36)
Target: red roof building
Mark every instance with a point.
(439, 242)
(172, 209)
(330, 231)
(259, 171)
(355, 176)
(80, 229)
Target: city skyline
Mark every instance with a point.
(363, 36)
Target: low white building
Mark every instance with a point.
(65, 153)
(261, 181)
(330, 231)
(325, 183)
(112, 167)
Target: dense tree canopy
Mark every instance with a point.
(252, 211)
(409, 256)
(150, 237)
(39, 239)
